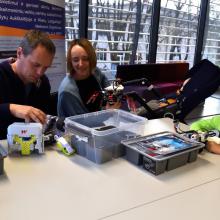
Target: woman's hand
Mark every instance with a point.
(115, 105)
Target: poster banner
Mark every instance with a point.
(16, 17)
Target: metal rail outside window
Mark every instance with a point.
(136, 32)
(204, 9)
(155, 18)
(83, 18)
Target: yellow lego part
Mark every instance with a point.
(25, 145)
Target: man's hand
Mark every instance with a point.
(28, 113)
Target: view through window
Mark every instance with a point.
(120, 31)
(212, 37)
(178, 30)
(72, 20)
(114, 28)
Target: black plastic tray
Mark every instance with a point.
(161, 151)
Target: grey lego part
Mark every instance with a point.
(3, 154)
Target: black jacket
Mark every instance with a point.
(13, 90)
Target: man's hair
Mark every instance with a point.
(33, 38)
(87, 46)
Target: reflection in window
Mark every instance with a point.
(112, 25)
(178, 30)
(72, 20)
(212, 39)
(144, 35)
(101, 54)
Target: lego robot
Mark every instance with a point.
(25, 137)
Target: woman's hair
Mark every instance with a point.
(87, 46)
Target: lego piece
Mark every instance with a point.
(63, 145)
(25, 137)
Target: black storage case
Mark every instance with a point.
(161, 152)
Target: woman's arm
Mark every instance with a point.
(69, 105)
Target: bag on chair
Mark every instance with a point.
(204, 81)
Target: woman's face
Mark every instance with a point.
(80, 62)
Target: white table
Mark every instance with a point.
(53, 186)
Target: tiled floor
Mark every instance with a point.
(210, 107)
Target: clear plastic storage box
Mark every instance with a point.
(98, 135)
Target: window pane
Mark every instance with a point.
(212, 41)
(72, 20)
(144, 36)
(178, 30)
(111, 29)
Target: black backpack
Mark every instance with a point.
(205, 80)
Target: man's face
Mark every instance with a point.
(80, 62)
(31, 67)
